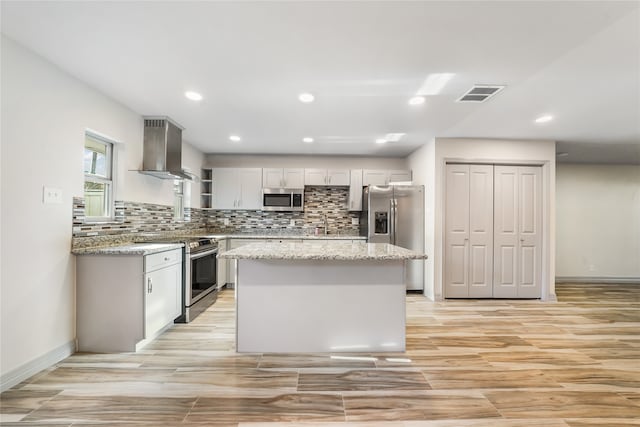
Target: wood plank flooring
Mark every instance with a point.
(498, 363)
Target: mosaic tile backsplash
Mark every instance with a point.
(133, 219)
(318, 203)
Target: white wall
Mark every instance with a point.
(45, 113)
(503, 152)
(598, 221)
(422, 163)
(282, 161)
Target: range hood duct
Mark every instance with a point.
(162, 156)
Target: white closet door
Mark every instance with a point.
(457, 232)
(517, 232)
(530, 232)
(480, 231)
(469, 231)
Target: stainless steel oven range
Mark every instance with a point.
(199, 274)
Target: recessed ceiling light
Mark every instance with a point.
(194, 96)
(416, 100)
(394, 137)
(434, 83)
(234, 138)
(306, 97)
(307, 139)
(381, 141)
(544, 119)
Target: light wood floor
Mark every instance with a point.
(469, 363)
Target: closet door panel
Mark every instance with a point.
(505, 232)
(481, 230)
(456, 278)
(530, 231)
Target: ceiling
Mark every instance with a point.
(578, 61)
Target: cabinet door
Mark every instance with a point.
(222, 264)
(398, 176)
(338, 177)
(315, 177)
(233, 244)
(354, 203)
(162, 298)
(225, 188)
(272, 178)
(250, 181)
(293, 178)
(374, 177)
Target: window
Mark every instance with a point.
(98, 183)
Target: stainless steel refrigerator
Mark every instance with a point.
(394, 214)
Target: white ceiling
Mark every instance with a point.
(579, 61)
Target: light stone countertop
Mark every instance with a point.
(341, 251)
(286, 236)
(129, 249)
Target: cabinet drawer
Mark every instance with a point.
(162, 259)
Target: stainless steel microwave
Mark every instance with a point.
(282, 199)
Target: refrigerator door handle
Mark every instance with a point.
(391, 222)
(395, 221)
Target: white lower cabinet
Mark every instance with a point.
(223, 264)
(125, 301)
(231, 266)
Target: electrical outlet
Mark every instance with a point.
(355, 221)
(292, 223)
(51, 195)
(225, 221)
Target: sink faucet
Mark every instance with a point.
(325, 224)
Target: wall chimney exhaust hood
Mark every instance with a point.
(162, 156)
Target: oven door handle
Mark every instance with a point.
(203, 254)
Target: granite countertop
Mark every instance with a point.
(127, 244)
(341, 251)
(262, 235)
(129, 249)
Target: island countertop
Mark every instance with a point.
(341, 251)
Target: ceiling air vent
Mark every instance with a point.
(480, 93)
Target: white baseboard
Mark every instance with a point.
(583, 279)
(31, 368)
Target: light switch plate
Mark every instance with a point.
(292, 223)
(355, 221)
(225, 221)
(51, 195)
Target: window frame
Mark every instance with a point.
(108, 181)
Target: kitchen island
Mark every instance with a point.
(320, 297)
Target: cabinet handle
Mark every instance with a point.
(329, 179)
(167, 258)
(149, 285)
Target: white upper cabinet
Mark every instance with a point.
(354, 203)
(327, 176)
(399, 176)
(237, 188)
(282, 178)
(384, 176)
